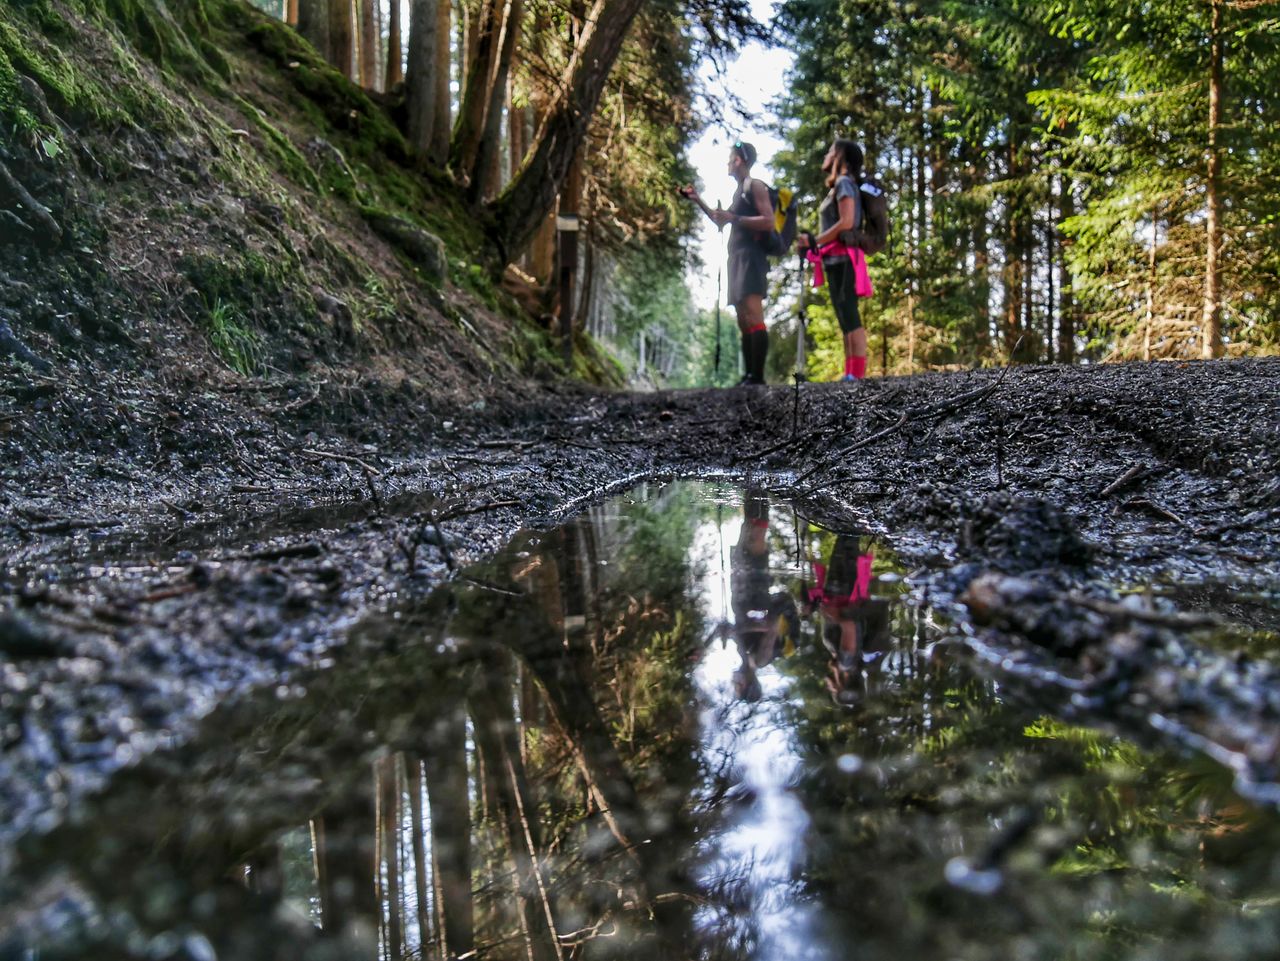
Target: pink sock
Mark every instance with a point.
(858, 367)
(848, 365)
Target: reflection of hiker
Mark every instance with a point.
(857, 624)
(764, 619)
(842, 268)
(751, 217)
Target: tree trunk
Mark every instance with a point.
(1029, 287)
(982, 271)
(1066, 297)
(341, 37)
(528, 198)
(469, 129)
(368, 46)
(291, 12)
(395, 50)
(313, 24)
(379, 50)
(446, 769)
(495, 733)
(442, 127)
(484, 179)
(1149, 321)
(1211, 320)
(567, 229)
(515, 135)
(421, 75)
(389, 822)
(416, 834)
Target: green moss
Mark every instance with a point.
(343, 105)
(288, 158)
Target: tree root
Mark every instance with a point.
(38, 217)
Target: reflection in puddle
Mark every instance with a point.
(688, 725)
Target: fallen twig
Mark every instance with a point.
(68, 524)
(1163, 618)
(1153, 508)
(307, 549)
(480, 509)
(345, 458)
(250, 489)
(1121, 481)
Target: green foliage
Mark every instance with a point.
(232, 339)
(1046, 169)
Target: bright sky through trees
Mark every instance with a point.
(756, 77)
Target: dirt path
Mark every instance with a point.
(236, 537)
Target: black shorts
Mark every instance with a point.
(748, 273)
(844, 292)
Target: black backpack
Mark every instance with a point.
(871, 235)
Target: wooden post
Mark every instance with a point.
(567, 230)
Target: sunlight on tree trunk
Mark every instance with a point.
(528, 198)
(368, 45)
(484, 179)
(1211, 321)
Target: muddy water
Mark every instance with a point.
(689, 724)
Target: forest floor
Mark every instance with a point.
(1110, 532)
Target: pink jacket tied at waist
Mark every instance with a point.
(862, 280)
(861, 585)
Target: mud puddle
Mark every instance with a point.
(688, 724)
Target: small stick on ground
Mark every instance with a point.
(345, 458)
(1125, 478)
(481, 509)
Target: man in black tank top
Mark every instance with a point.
(750, 217)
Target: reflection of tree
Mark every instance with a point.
(506, 771)
(1099, 846)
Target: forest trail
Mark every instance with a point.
(1034, 489)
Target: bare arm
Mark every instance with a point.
(848, 217)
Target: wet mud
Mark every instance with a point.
(744, 735)
(1107, 534)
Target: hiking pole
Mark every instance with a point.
(716, 378)
(802, 321)
(719, 274)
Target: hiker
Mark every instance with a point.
(750, 217)
(843, 268)
(764, 617)
(857, 623)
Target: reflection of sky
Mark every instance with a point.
(762, 844)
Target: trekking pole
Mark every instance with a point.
(719, 274)
(802, 321)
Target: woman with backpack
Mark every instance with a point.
(750, 217)
(844, 268)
